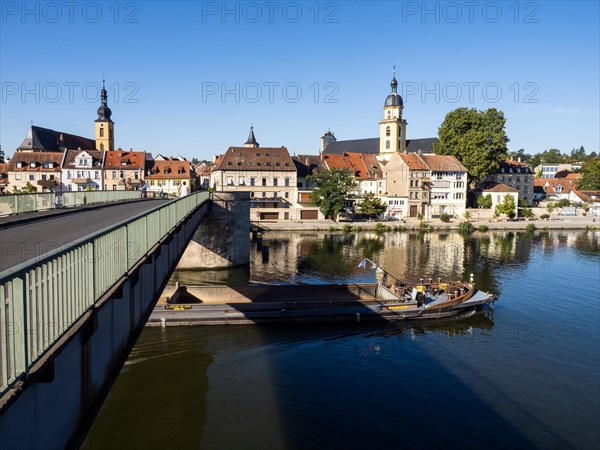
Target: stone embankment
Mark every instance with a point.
(555, 223)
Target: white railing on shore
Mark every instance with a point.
(41, 299)
(24, 203)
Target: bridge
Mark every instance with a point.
(75, 293)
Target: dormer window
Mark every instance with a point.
(19, 165)
(32, 165)
(229, 163)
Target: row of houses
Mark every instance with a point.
(79, 170)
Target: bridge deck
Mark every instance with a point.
(26, 241)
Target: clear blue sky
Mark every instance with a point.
(169, 62)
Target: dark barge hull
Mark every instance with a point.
(297, 304)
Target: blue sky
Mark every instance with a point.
(190, 77)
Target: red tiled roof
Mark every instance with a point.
(170, 168)
(120, 159)
(413, 161)
(549, 185)
(500, 187)
(37, 157)
(256, 158)
(443, 163)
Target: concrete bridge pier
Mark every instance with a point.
(223, 239)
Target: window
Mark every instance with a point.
(239, 163)
(268, 163)
(229, 181)
(286, 182)
(114, 175)
(102, 149)
(19, 165)
(252, 181)
(387, 131)
(101, 130)
(264, 181)
(287, 195)
(275, 182)
(43, 177)
(387, 144)
(241, 181)
(17, 176)
(114, 187)
(229, 163)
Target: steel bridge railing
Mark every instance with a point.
(42, 299)
(24, 203)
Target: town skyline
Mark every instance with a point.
(304, 87)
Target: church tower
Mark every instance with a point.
(251, 142)
(105, 127)
(392, 128)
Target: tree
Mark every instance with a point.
(578, 155)
(484, 201)
(590, 175)
(28, 189)
(506, 206)
(552, 156)
(331, 190)
(525, 157)
(2, 155)
(371, 206)
(476, 138)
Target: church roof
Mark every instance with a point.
(251, 139)
(371, 145)
(46, 140)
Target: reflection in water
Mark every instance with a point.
(524, 377)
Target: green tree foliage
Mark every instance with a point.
(371, 206)
(2, 155)
(484, 201)
(477, 139)
(27, 189)
(525, 157)
(552, 156)
(331, 189)
(590, 175)
(506, 206)
(578, 155)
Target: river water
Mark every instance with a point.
(526, 376)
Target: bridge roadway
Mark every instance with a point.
(20, 243)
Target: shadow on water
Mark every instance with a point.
(339, 385)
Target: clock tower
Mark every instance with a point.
(392, 128)
(105, 127)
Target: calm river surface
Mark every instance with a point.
(527, 376)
